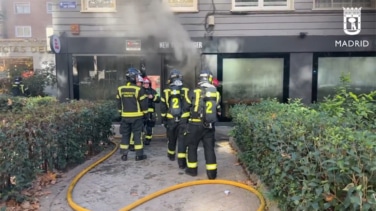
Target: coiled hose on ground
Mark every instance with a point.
(137, 203)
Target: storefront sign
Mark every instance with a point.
(55, 44)
(165, 45)
(23, 49)
(351, 43)
(133, 45)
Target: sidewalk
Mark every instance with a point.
(115, 184)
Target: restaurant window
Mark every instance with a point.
(97, 77)
(361, 70)
(248, 80)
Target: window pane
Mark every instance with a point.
(49, 7)
(19, 32)
(361, 69)
(273, 3)
(26, 32)
(22, 8)
(249, 79)
(99, 77)
(246, 3)
(344, 3)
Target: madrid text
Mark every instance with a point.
(351, 43)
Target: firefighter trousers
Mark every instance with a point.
(149, 124)
(175, 136)
(130, 126)
(195, 134)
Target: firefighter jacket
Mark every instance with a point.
(131, 100)
(18, 89)
(152, 102)
(167, 104)
(198, 105)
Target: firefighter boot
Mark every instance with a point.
(140, 157)
(212, 174)
(124, 156)
(171, 156)
(182, 163)
(147, 141)
(191, 171)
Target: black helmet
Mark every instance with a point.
(132, 74)
(205, 76)
(174, 75)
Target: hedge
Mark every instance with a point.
(40, 134)
(312, 158)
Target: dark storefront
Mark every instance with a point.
(249, 68)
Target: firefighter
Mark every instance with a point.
(132, 106)
(153, 97)
(175, 112)
(139, 82)
(203, 114)
(18, 88)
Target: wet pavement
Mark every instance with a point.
(114, 183)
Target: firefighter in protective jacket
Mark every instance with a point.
(203, 114)
(18, 88)
(149, 122)
(132, 106)
(175, 112)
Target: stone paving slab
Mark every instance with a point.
(115, 184)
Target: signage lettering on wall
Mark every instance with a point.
(23, 49)
(166, 45)
(133, 45)
(351, 43)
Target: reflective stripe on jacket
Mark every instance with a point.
(132, 100)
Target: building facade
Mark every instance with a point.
(25, 28)
(257, 48)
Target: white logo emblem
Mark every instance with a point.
(352, 20)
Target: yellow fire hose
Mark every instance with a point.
(137, 203)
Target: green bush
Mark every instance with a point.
(321, 158)
(44, 135)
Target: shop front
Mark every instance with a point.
(249, 68)
(24, 55)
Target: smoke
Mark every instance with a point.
(154, 20)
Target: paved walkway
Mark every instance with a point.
(115, 184)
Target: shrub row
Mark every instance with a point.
(41, 134)
(312, 158)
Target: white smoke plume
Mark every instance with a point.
(155, 19)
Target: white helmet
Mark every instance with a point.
(140, 79)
